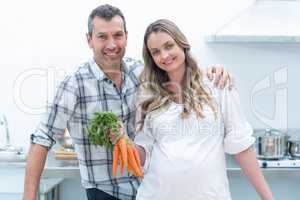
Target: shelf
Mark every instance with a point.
(264, 21)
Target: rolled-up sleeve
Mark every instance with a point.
(238, 132)
(145, 139)
(57, 114)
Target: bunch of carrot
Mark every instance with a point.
(124, 152)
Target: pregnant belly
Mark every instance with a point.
(187, 159)
(197, 169)
(176, 164)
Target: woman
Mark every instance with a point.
(187, 125)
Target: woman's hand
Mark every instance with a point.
(220, 76)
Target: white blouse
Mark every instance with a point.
(185, 158)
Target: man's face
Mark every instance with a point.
(108, 42)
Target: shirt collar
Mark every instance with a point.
(100, 75)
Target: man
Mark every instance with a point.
(107, 82)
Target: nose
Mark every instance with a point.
(164, 55)
(111, 44)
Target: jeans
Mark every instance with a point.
(96, 194)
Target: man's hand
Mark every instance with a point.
(114, 137)
(220, 76)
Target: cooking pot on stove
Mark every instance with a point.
(294, 148)
(270, 144)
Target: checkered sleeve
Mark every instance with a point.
(58, 112)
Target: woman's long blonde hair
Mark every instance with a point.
(154, 79)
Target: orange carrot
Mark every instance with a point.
(133, 163)
(130, 169)
(121, 164)
(137, 157)
(123, 148)
(115, 160)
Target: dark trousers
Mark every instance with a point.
(96, 194)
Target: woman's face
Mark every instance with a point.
(166, 53)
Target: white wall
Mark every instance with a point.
(42, 39)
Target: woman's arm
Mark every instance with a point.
(248, 162)
(238, 141)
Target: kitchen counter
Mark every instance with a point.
(70, 169)
(64, 174)
(60, 168)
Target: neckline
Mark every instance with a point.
(176, 104)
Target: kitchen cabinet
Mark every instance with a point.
(12, 180)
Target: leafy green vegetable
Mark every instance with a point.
(99, 126)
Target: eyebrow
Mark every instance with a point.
(100, 33)
(167, 42)
(119, 31)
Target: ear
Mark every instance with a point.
(89, 40)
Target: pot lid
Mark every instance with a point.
(268, 132)
(295, 139)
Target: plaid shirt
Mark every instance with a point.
(84, 92)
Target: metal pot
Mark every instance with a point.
(294, 148)
(270, 144)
